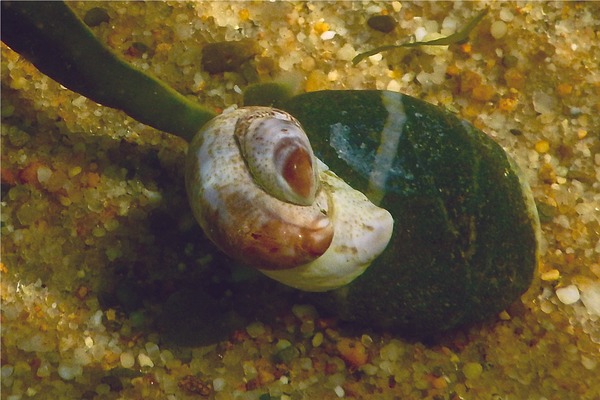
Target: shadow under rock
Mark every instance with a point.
(196, 317)
(182, 287)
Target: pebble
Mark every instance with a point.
(127, 360)
(328, 35)
(353, 351)
(103, 389)
(472, 370)
(376, 57)
(394, 86)
(81, 356)
(36, 343)
(498, 29)
(568, 294)
(152, 349)
(317, 340)
(44, 370)
(304, 311)
(68, 371)
(382, 23)
(420, 33)
(6, 371)
(589, 363)
(255, 329)
(550, 275)
(218, 384)
(590, 296)
(543, 103)
(391, 351)
(166, 356)
(449, 24)
(346, 53)
(504, 316)
(43, 174)
(542, 146)
(79, 102)
(95, 321)
(506, 15)
(145, 361)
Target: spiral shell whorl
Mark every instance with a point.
(235, 205)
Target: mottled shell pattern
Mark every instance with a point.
(263, 198)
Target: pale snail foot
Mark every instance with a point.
(255, 188)
(361, 232)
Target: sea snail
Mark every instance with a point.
(464, 235)
(262, 197)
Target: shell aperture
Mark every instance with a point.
(278, 155)
(259, 194)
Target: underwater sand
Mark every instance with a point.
(102, 260)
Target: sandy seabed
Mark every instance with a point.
(100, 253)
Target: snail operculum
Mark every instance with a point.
(259, 193)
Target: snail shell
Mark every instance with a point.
(263, 198)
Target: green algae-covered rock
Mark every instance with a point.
(465, 225)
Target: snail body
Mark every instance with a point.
(262, 197)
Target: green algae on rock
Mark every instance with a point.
(465, 224)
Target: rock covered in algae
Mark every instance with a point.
(464, 245)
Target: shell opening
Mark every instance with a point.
(279, 156)
(297, 170)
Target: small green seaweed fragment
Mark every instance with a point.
(270, 94)
(457, 37)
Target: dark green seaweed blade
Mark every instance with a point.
(50, 36)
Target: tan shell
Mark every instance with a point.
(263, 198)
